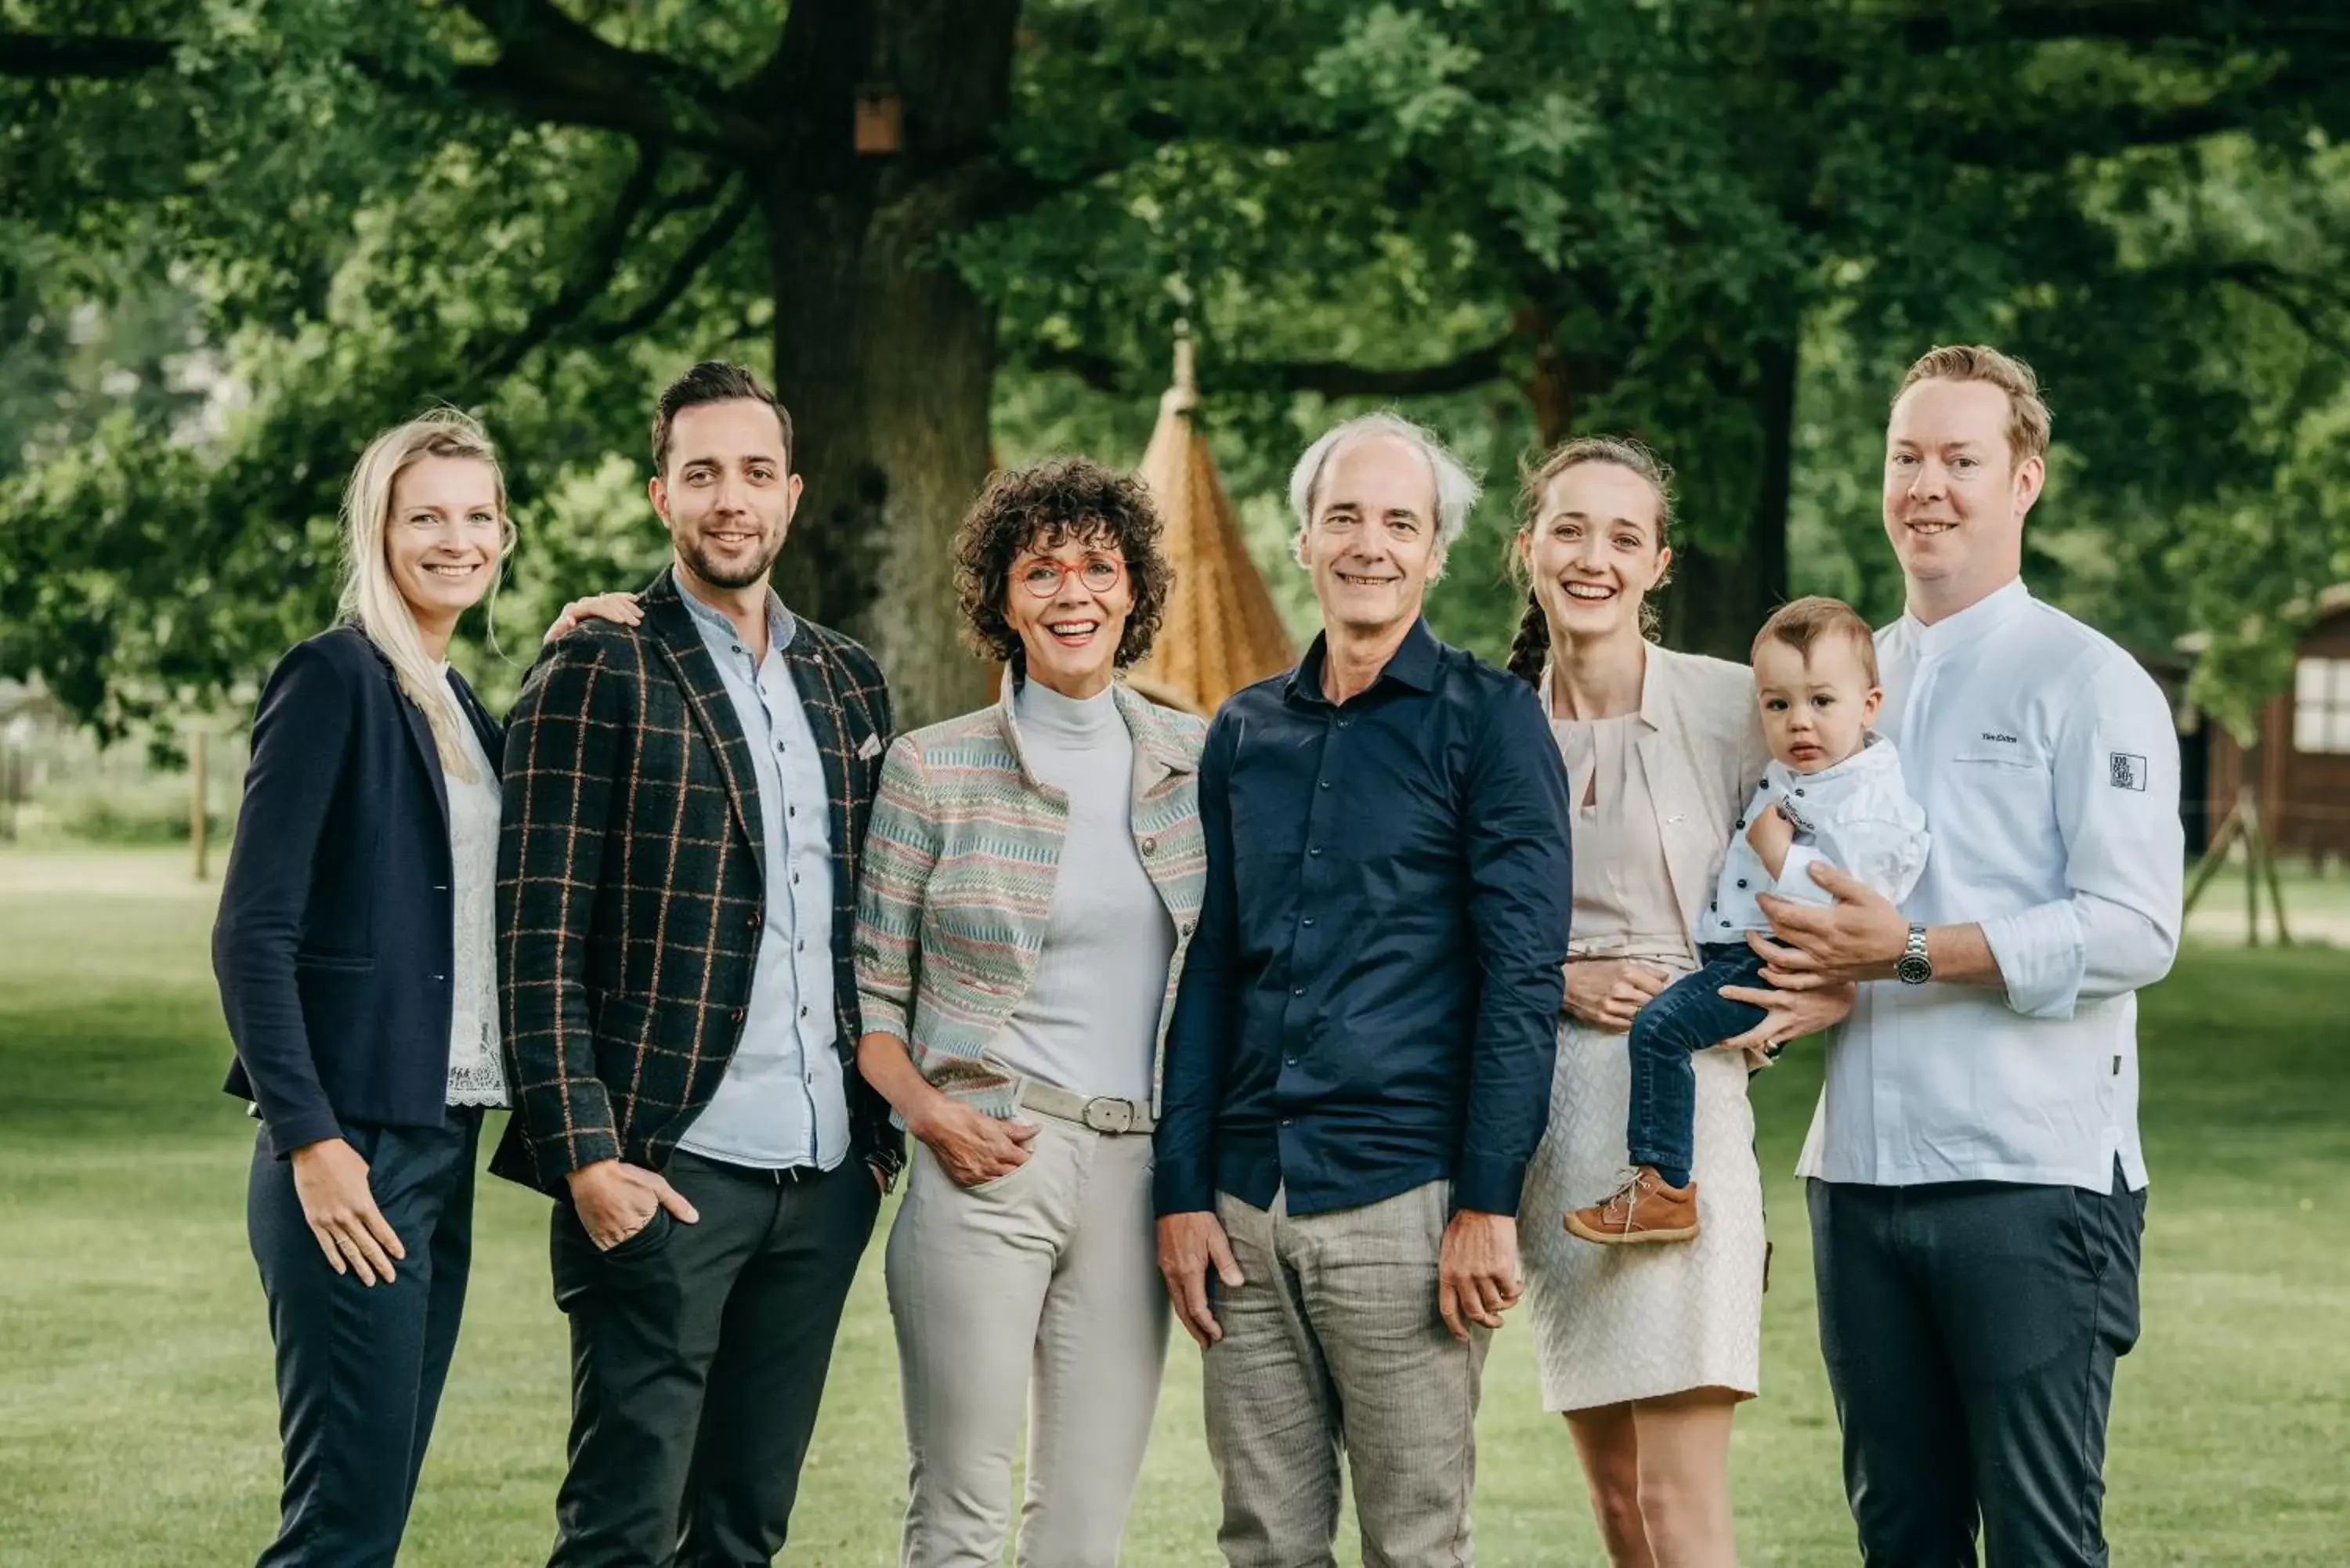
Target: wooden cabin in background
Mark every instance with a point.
(2300, 766)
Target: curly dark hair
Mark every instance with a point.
(1044, 506)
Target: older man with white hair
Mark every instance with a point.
(1359, 1063)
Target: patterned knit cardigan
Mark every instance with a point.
(957, 885)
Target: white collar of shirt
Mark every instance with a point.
(1823, 790)
(1970, 625)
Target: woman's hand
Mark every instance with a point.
(1605, 993)
(331, 1180)
(620, 610)
(1788, 1014)
(972, 1146)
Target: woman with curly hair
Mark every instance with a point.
(1032, 876)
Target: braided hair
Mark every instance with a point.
(1530, 649)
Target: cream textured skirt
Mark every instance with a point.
(1614, 1324)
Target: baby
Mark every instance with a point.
(1833, 794)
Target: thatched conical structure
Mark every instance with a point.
(1220, 631)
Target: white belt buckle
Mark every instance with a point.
(1105, 1114)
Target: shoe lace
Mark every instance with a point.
(1630, 1182)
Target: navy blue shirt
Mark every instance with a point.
(1371, 998)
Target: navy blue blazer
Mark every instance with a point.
(333, 948)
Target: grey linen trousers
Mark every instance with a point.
(1332, 1348)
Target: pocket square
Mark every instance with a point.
(868, 748)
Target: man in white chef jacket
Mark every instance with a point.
(1976, 1188)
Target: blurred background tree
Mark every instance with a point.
(237, 237)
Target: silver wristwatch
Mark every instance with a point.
(1913, 967)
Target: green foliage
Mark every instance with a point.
(1721, 226)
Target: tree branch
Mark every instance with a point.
(681, 274)
(1331, 377)
(555, 68)
(86, 56)
(2291, 293)
(550, 67)
(581, 290)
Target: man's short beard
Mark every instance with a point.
(699, 559)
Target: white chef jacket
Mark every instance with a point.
(1860, 819)
(2048, 764)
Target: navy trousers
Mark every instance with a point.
(1688, 1016)
(1970, 1330)
(360, 1368)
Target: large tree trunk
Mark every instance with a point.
(883, 356)
(1722, 594)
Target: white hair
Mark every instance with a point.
(1456, 488)
(372, 602)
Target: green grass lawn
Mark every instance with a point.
(137, 1426)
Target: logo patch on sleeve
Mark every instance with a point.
(2126, 770)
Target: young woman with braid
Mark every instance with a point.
(1646, 1350)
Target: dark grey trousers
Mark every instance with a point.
(360, 1368)
(1971, 1330)
(698, 1358)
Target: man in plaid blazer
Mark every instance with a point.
(686, 801)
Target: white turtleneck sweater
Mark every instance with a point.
(1089, 1021)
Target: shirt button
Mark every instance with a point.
(1742, 881)
(1309, 919)
(1741, 822)
(1150, 847)
(1289, 1061)
(1725, 925)
(752, 921)
(803, 1010)
(1799, 792)
(737, 1014)
(1342, 723)
(1313, 849)
(1297, 990)
(1289, 1121)
(1325, 784)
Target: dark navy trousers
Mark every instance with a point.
(360, 1368)
(1970, 1330)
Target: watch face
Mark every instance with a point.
(1913, 969)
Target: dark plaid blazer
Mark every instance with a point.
(632, 887)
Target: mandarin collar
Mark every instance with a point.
(1968, 624)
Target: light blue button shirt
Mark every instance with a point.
(783, 1101)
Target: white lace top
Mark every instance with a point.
(475, 1075)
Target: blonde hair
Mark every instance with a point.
(372, 602)
(2027, 411)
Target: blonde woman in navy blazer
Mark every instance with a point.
(354, 954)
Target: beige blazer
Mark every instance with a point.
(1700, 751)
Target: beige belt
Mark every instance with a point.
(1101, 1113)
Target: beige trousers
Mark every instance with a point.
(1333, 1347)
(1039, 1289)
